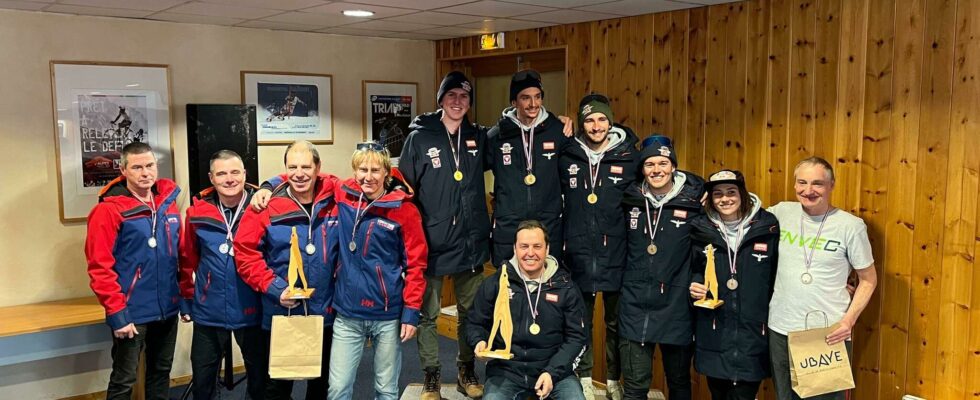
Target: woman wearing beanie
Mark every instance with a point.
(731, 342)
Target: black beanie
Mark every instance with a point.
(658, 145)
(591, 104)
(527, 78)
(454, 80)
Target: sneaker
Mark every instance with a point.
(430, 386)
(467, 383)
(588, 389)
(614, 391)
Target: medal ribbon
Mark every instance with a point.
(527, 291)
(359, 215)
(455, 150)
(234, 218)
(808, 259)
(594, 172)
(528, 150)
(651, 228)
(152, 205)
(309, 227)
(732, 250)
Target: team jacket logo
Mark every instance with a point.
(759, 257)
(573, 182)
(549, 155)
(635, 212)
(173, 219)
(573, 169)
(471, 145)
(680, 214)
(548, 145)
(764, 248)
(386, 224)
(506, 148)
(552, 297)
(433, 152)
(616, 169)
(436, 163)
(507, 159)
(633, 223)
(615, 179)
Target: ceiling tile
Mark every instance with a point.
(500, 25)
(379, 11)
(22, 5)
(147, 5)
(559, 3)
(637, 7)
(285, 5)
(355, 32)
(105, 12)
(305, 18)
(454, 31)
(495, 9)
(221, 10)
(195, 19)
(386, 25)
(568, 16)
(417, 36)
(436, 18)
(280, 26)
(414, 4)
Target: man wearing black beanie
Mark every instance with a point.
(523, 151)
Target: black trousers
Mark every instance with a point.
(157, 339)
(637, 365)
(316, 389)
(610, 302)
(724, 389)
(208, 348)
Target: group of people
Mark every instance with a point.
(580, 207)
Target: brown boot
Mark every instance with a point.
(467, 383)
(430, 387)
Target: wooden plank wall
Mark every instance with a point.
(887, 90)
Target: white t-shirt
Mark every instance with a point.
(843, 244)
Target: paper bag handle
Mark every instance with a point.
(306, 311)
(806, 319)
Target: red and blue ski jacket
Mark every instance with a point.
(262, 249)
(382, 278)
(214, 295)
(135, 283)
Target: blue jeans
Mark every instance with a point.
(501, 388)
(349, 335)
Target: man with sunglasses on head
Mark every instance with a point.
(523, 151)
(596, 167)
(654, 309)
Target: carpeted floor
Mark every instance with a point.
(363, 388)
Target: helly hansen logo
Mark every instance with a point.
(173, 220)
(810, 242)
(367, 303)
(385, 224)
(552, 297)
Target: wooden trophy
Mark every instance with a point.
(711, 281)
(296, 271)
(501, 321)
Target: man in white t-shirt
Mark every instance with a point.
(818, 247)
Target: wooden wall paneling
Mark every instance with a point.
(714, 114)
(895, 285)
(641, 50)
(966, 77)
(578, 65)
(697, 43)
(622, 82)
(780, 77)
(736, 60)
(660, 60)
(801, 124)
(601, 56)
(960, 224)
(930, 197)
(678, 81)
(553, 36)
(826, 68)
(756, 143)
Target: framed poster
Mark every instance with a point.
(98, 108)
(290, 106)
(389, 108)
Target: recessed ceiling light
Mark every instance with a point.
(358, 13)
(133, 85)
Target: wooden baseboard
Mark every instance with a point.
(174, 382)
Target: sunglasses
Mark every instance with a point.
(522, 75)
(371, 146)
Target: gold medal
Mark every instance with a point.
(534, 329)
(652, 249)
(458, 176)
(593, 198)
(530, 179)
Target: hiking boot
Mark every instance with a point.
(588, 389)
(430, 386)
(467, 384)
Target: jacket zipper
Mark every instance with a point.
(384, 289)
(170, 250)
(323, 236)
(132, 285)
(367, 239)
(207, 285)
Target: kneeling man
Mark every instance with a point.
(548, 318)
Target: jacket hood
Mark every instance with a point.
(680, 179)
(550, 269)
(431, 122)
(510, 113)
(163, 188)
(688, 189)
(617, 137)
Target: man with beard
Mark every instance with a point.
(596, 168)
(654, 307)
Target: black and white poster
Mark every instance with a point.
(106, 123)
(388, 111)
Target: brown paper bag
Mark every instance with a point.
(296, 347)
(816, 367)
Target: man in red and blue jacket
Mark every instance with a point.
(305, 202)
(131, 248)
(381, 258)
(215, 298)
